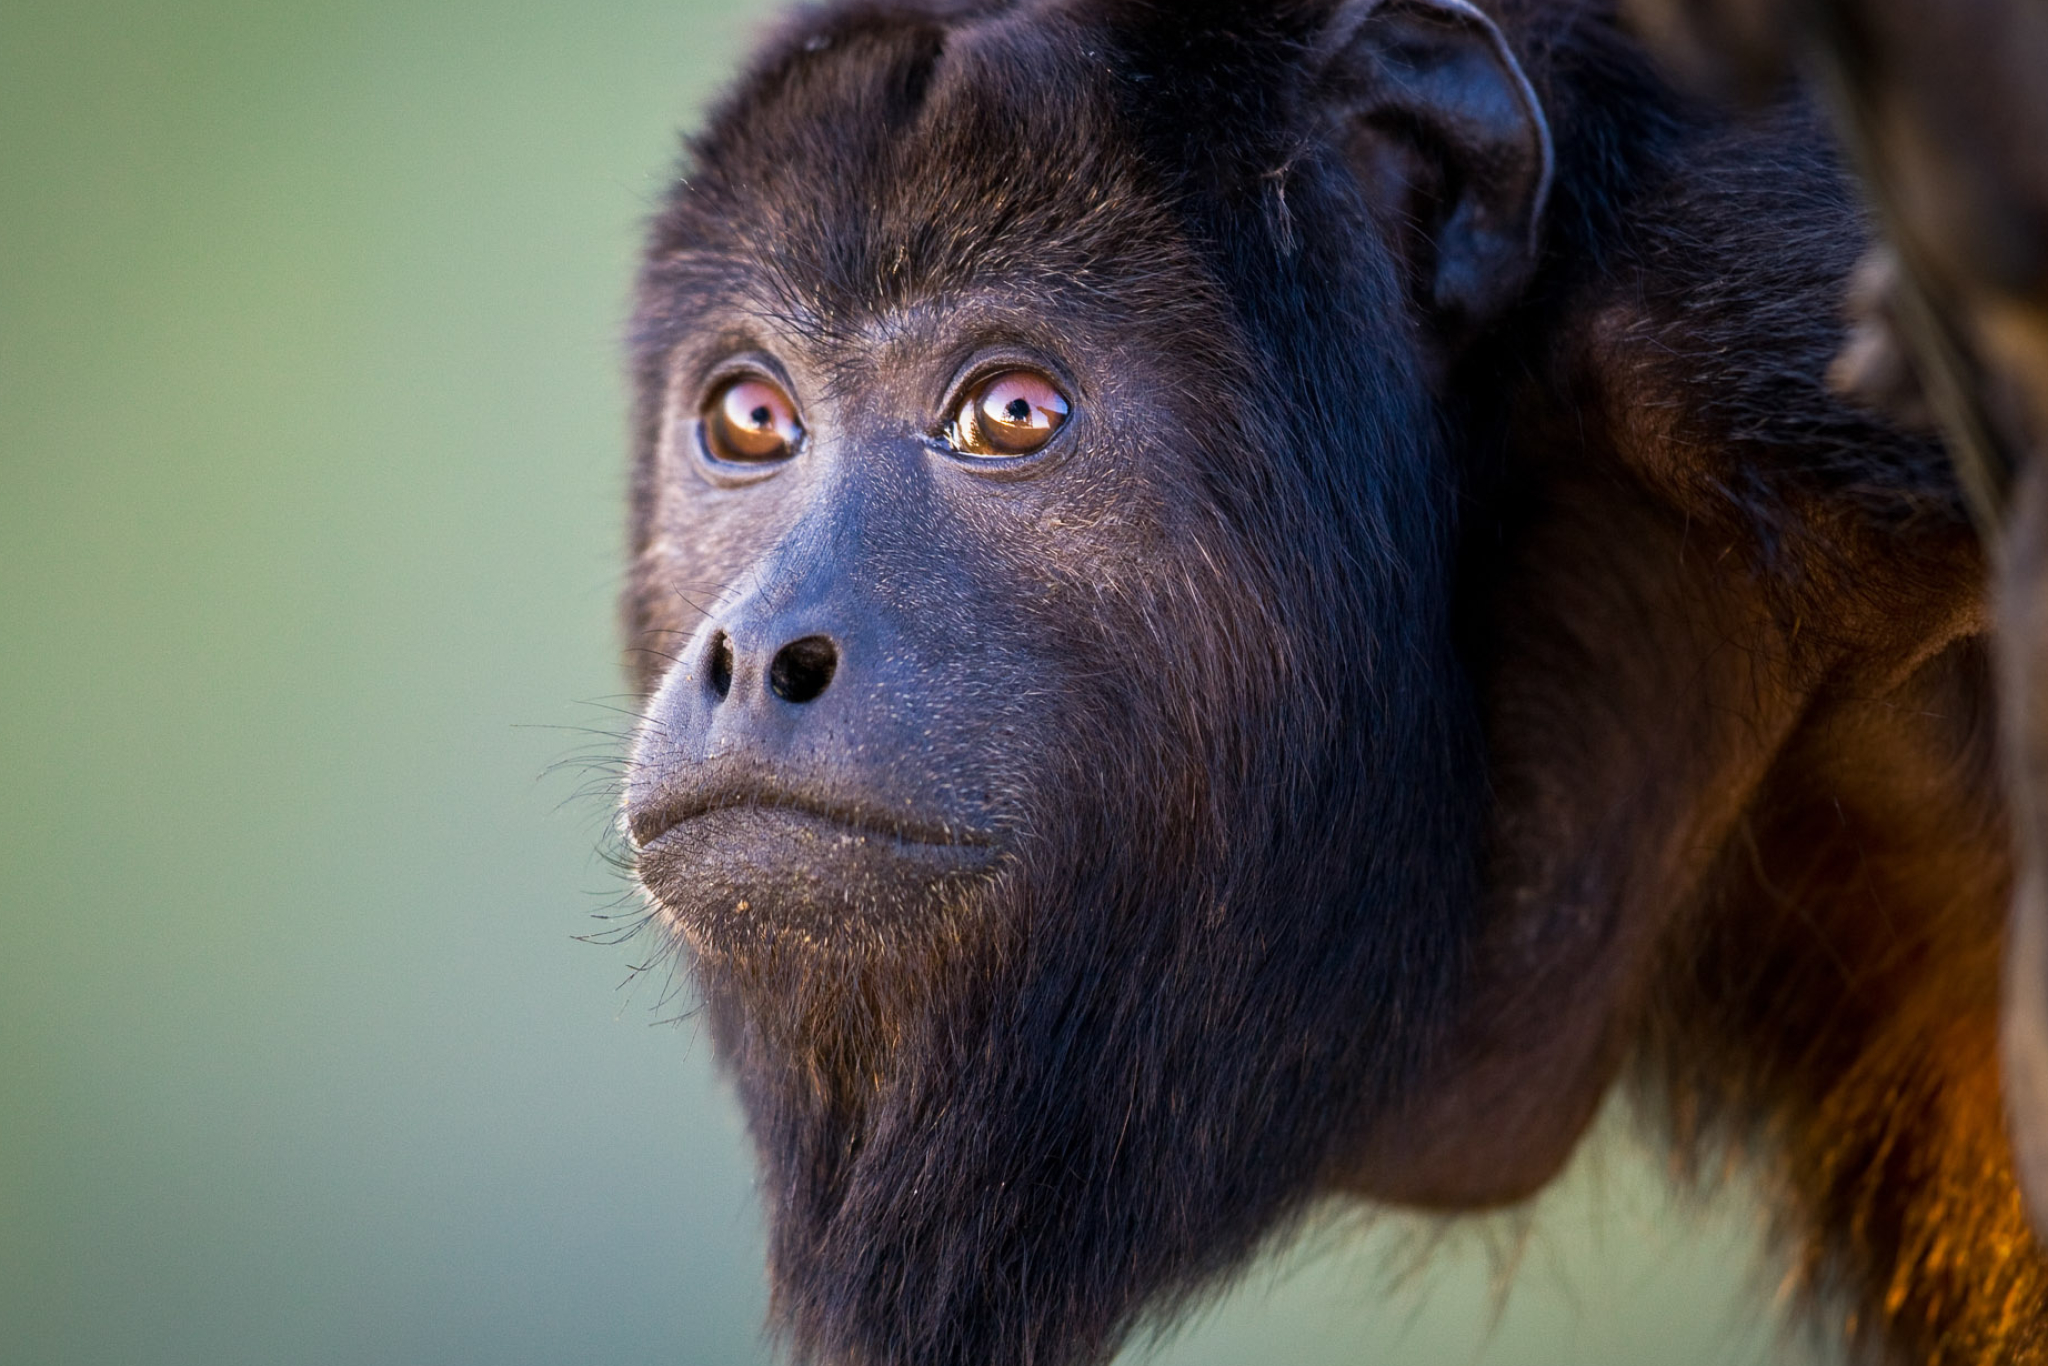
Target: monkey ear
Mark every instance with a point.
(1449, 141)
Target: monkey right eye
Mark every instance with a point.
(1011, 413)
(750, 421)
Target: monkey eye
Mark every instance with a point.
(1013, 412)
(750, 421)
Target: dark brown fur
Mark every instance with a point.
(1725, 633)
(1783, 604)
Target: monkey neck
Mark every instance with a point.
(1764, 857)
(1832, 1001)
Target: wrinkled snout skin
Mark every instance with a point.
(826, 753)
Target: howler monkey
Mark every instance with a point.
(1241, 603)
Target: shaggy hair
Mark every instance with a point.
(1295, 734)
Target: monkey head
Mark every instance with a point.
(1055, 765)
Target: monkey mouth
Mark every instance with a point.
(736, 870)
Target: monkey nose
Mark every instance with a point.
(798, 672)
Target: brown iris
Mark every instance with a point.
(750, 421)
(1011, 413)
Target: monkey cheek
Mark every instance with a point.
(745, 881)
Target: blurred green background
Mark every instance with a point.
(310, 477)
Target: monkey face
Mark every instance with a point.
(845, 740)
(890, 572)
(934, 600)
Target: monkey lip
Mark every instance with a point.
(731, 866)
(768, 806)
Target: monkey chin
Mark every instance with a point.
(742, 882)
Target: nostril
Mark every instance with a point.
(803, 668)
(721, 664)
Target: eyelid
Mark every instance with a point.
(744, 364)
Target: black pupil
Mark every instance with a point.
(1018, 410)
(761, 417)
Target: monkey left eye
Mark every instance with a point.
(750, 421)
(1011, 413)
